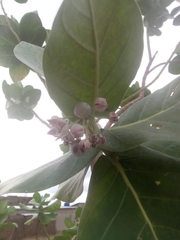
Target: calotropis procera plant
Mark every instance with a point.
(88, 63)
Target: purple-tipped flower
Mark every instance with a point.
(77, 130)
(59, 127)
(100, 104)
(76, 150)
(85, 144)
(113, 117)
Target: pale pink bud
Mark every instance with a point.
(82, 110)
(113, 117)
(77, 130)
(100, 104)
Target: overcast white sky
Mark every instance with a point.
(26, 145)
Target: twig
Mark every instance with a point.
(148, 44)
(41, 120)
(146, 74)
(158, 65)
(123, 109)
(165, 65)
(43, 80)
(8, 23)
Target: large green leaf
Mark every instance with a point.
(31, 29)
(140, 201)
(21, 1)
(18, 72)
(72, 188)
(7, 58)
(48, 175)
(31, 55)
(94, 50)
(154, 118)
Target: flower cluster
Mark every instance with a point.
(80, 138)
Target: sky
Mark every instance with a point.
(25, 145)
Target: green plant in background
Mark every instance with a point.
(42, 210)
(5, 211)
(72, 227)
(90, 59)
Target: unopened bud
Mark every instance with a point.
(100, 104)
(77, 130)
(82, 110)
(113, 117)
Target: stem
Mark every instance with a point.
(165, 65)
(40, 119)
(148, 44)
(158, 65)
(146, 74)
(8, 23)
(43, 80)
(129, 185)
(46, 233)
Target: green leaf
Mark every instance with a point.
(21, 1)
(19, 112)
(3, 206)
(14, 24)
(60, 238)
(7, 225)
(31, 55)
(18, 72)
(53, 207)
(174, 65)
(7, 58)
(31, 97)
(28, 222)
(72, 188)
(55, 172)
(28, 209)
(37, 197)
(6, 36)
(94, 50)
(78, 212)
(14, 91)
(11, 210)
(154, 118)
(68, 222)
(142, 199)
(31, 29)
(46, 218)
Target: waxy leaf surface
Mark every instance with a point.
(31, 55)
(48, 175)
(140, 200)
(94, 50)
(154, 118)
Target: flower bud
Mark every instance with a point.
(77, 130)
(113, 117)
(76, 150)
(82, 110)
(100, 104)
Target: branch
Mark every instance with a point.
(8, 23)
(43, 80)
(148, 44)
(146, 74)
(40, 119)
